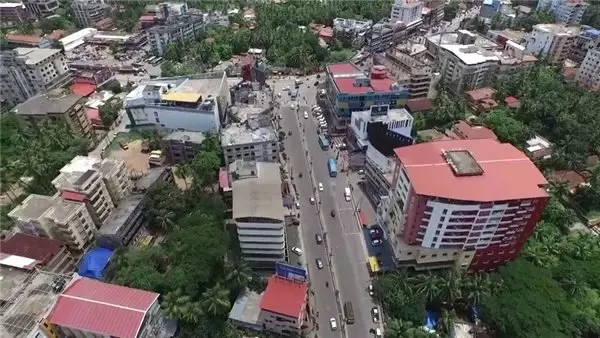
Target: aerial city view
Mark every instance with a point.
(300, 168)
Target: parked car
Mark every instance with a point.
(319, 238)
(371, 290)
(375, 233)
(333, 323)
(123, 145)
(297, 251)
(376, 242)
(375, 314)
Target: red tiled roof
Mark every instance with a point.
(343, 68)
(511, 100)
(72, 196)
(419, 105)
(223, 178)
(480, 94)
(41, 249)
(102, 308)
(326, 32)
(570, 177)
(466, 131)
(83, 89)
(23, 38)
(56, 34)
(284, 296)
(507, 173)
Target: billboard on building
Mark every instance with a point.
(289, 271)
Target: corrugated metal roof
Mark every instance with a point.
(182, 97)
(38, 248)
(102, 308)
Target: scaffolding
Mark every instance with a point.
(26, 298)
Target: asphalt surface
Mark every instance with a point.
(342, 233)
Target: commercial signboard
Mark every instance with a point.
(289, 271)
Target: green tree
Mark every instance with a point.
(180, 306)
(507, 128)
(142, 268)
(109, 112)
(215, 301)
(591, 16)
(530, 303)
(238, 275)
(451, 9)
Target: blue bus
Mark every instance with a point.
(323, 142)
(332, 167)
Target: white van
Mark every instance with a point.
(347, 195)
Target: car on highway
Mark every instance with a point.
(332, 213)
(371, 290)
(319, 238)
(376, 242)
(333, 323)
(278, 94)
(286, 88)
(297, 251)
(378, 333)
(320, 186)
(311, 200)
(297, 205)
(375, 233)
(305, 115)
(375, 314)
(319, 263)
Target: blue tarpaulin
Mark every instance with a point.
(430, 320)
(93, 263)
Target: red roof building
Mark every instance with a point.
(482, 99)
(465, 131)
(83, 89)
(283, 303)
(463, 203)
(422, 105)
(34, 251)
(91, 307)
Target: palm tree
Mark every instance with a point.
(573, 286)
(184, 171)
(428, 286)
(163, 218)
(450, 287)
(477, 287)
(215, 300)
(238, 275)
(177, 305)
(446, 321)
(403, 281)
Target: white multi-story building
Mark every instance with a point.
(410, 67)
(249, 144)
(258, 211)
(588, 74)
(406, 11)
(175, 29)
(88, 12)
(466, 67)
(555, 41)
(53, 217)
(82, 181)
(565, 11)
(351, 31)
(193, 104)
(25, 72)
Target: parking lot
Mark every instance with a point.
(292, 240)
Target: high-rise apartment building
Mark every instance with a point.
(554, 41)
(175, 29)
(41, 8)
(409, 65)
(26, 72)
(588, 75)
(406, 11)
(258, 212)
(461, 203)
(565, 11)
(586, 40)
(53, 217)
(88, 12)
(82, 181)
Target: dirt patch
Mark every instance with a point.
(136, 161)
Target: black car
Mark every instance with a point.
(332, 213)
(316, 83)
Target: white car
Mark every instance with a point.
(333, 323)
(297, 205)
(320, 186)
(375, 315)
(371, 290)
(286, 88)
(278, 94)
(378, 333)
(297, 251)
(311, 200)
(305, 115)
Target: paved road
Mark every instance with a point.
(343, 234)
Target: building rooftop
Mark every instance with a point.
(151, 177)
(182, 89)
(36, 55)
(102, 308)
(246, 308)
(33, 207)
(557, 29)
(439, 169)
(121, 214)
(237, 135)
(11, 4)
(40, 249)
(185, 136)
(55, 102)
(278, 289)
(28, 295)
(29, 39)
(513, 35)
(343, 69)
(348, 85)
(481, 93)
(468, 132)
(419, 105)
(472, 54)
(256, 190)
(453, 38)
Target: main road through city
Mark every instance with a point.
(345, 247)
